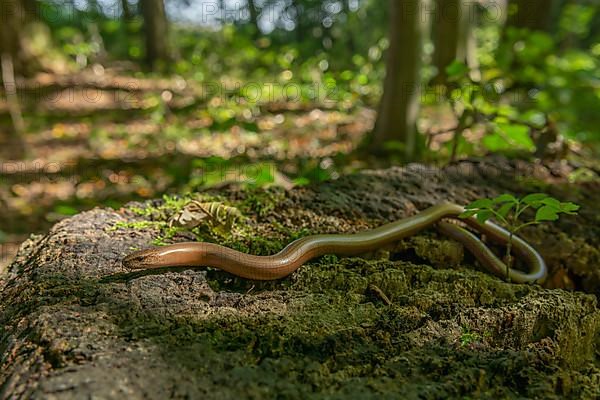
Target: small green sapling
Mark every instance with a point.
(508, 210)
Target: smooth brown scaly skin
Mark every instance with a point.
(302, 250)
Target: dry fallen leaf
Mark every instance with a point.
(217, 215)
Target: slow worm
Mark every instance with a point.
(294, 255)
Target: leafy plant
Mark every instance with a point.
(508, 210)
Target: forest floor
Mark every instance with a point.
(110, 139)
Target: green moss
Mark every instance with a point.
(469, 337)
(331, 340)
(261, 202)
(50, 290)
(137, 225)
(157, 216)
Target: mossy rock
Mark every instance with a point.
(75, 324)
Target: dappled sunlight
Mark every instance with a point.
(279, 141)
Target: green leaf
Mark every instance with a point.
(518, 135)
(552, 202)
(457, 69)
(301, 181)
(505, 209)
(481, 203)
(534, 199)
(468, 214)
(569, 208)
(260, 174)
(65, 209)
(504, 198)
(484, 215)
(506, 136)
(546, 213)
(494, 142)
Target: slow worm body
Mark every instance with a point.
(302, 250)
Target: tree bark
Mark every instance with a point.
(155, 31)
(13, 60)
(254, 16)
(11, 31)
(126, 10)
(10, 89)
(15, 142)
(400, 104)
(446, 28)
(467, 37)
(453, 38)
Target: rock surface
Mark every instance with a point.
(418, 322)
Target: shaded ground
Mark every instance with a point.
(418, 321)
(112, 139)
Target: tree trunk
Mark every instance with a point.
(254, 16)
(467, 37)
(11, 31)
(400, 104)
(12, 59)
(14, 143)
(126, 10)
(300, 17)
(531, 14)
(453, 37)
(349, 35)
(446, 28)
(155, 31)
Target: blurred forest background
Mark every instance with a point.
(103, 101)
